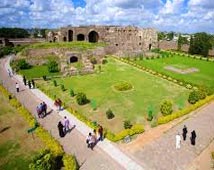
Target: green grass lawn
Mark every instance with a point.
(37, 72)
(129, 105)
(205, 76)
(17, 147)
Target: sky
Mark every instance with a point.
(186, 16)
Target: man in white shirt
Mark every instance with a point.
(178, 141)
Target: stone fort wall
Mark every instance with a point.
(128, 38)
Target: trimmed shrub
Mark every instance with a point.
(81, 98)
(54, 83)
(196, 95)
(72, 94)
(109, 114)
(53, 66)
(149, 116)
(123, 86)
(166, 107)
(62, 87)
(127, 124)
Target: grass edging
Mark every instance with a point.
(177, 114)
(69, 161)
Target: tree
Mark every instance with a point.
(191, 46)
(52, 66)
(181, 41)
(201, 43)
(161, 36)
(170, 36)
(166, 107)
(14, 33)
(81, 98)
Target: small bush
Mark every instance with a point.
(109, 114)
(123, 86)
(93, 60)
(62, 87)
(52, 66)
(55, 83)
(104, 61)
(72, 94)
(196, 95)
(81, 99)
(127, 124)
(166, 107)
(44, 78)
(149, 116)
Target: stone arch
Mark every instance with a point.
(93, 36)
(73, 59)
(80, 37)
(70, 35)
(64, 39)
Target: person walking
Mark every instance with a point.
(17, 87)
(178, 141)
(193, 137)
(29, 84)
(66, 124)
(24, 80)
(60, 128)
(100, 133)
(90, 140)
(184, 134)
(33, 83)
(44, 108)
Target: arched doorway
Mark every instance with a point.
(70, 35)
(73, 59)
(64, 39)
(150, 47)
(93, 36)
(80, 37)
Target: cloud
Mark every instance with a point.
(170, 15)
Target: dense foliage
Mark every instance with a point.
(13, 33)
(10, 50)
(200, 44)
(166, 107)
(181, 41)
(20, 64)
(43, 161)
(196, 95)
(127, 124)
(53, 66)
(72, 94)
(109, 114)
(81, 98)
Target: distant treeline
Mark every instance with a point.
(13, 33)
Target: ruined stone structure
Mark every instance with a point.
(119, 38)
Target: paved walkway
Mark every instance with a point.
(106, 156)
(160, 154)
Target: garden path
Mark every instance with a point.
(157, 147)
(106, 156)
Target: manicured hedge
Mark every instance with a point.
(69, 161)
(175, 115)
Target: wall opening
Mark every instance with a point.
(80, 37)
(64, 39)
(73, 59)
(93, 37)
(70, 35)
(150, 47)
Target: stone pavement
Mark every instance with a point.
(106, 156)
(161, 154)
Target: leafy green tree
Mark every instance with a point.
(53, 66)
(201, 43)
(13, 33)
(161, 36)
(181, 41)
(170, 35)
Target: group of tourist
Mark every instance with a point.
(184, 134)
(92, 138)
(64, 126)
(30, 83)
(41, 110)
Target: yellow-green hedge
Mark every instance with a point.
(69, 161)
(136, 129)
(175, 115)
